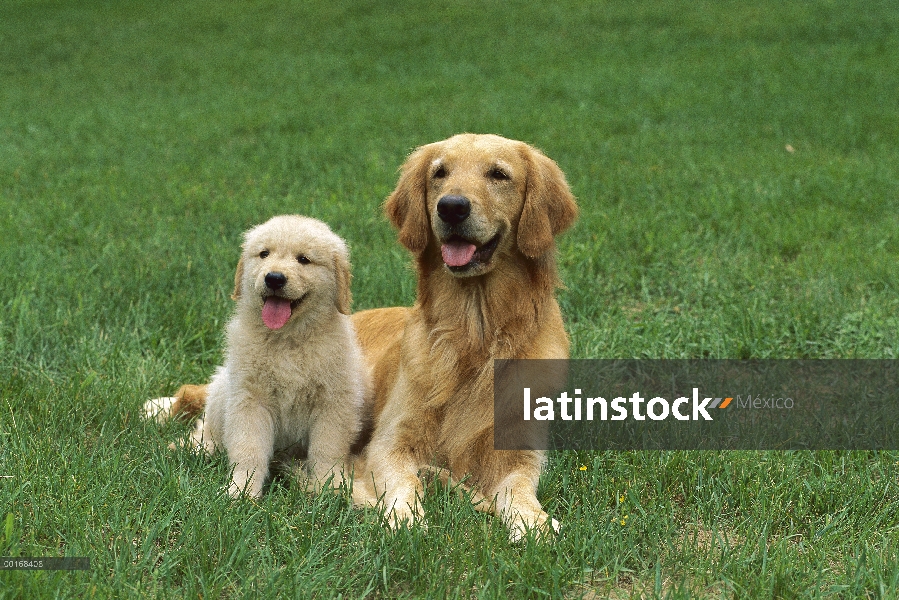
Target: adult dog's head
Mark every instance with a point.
(292, 268)
(472, 197)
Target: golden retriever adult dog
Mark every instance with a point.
(293, 379)
(480, 214)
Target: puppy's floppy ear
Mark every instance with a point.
(238, 276)
(549, 207)
(344, 298)
(406, 206)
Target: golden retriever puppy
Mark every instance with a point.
(293, 379)
(480, 214)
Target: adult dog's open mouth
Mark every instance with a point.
(276, 310)
(460, 254)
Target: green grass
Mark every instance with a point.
(138, 140)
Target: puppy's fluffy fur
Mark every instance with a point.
(293, 380)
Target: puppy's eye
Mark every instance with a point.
(498, 174)
(303, 260)
(440, 173)
(263, 254)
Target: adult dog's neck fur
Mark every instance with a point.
(487, 314)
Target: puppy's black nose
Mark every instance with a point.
(453, 209)
(275, 280)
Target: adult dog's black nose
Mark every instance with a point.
(275, 280)
(452, 209)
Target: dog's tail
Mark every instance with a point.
(187, 403)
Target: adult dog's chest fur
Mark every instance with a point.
(453, 379)
(455, 388)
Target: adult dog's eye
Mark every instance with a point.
(440, 173)
(263, 254)
(498, 174)
(303, 260)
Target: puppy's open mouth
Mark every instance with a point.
(276, 310)
(460, 254)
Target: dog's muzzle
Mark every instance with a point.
(277, 309)
(453, 209)
(275, 280)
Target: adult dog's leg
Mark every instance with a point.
(187, 403)
(190, 401)
(516, 494)
(394, 456)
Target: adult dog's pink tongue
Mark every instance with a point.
(457, 254)
(275, 312)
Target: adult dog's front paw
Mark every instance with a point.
(402, 514)
(540, 523)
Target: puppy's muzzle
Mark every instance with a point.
(453, 209)
(275, 280)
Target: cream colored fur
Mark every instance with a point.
(294, 389)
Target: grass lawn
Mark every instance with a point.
(737, 167)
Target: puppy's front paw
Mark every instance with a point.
(158, 409)
(236, 490)
(244, 485)
(399, 517)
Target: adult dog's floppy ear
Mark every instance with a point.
(238, 277)
(344, 298)
(549, 207)
(406, 206)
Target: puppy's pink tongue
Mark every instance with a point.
(457, 254)
(275, 312)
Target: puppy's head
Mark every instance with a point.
(292, 267)
(474, 197)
